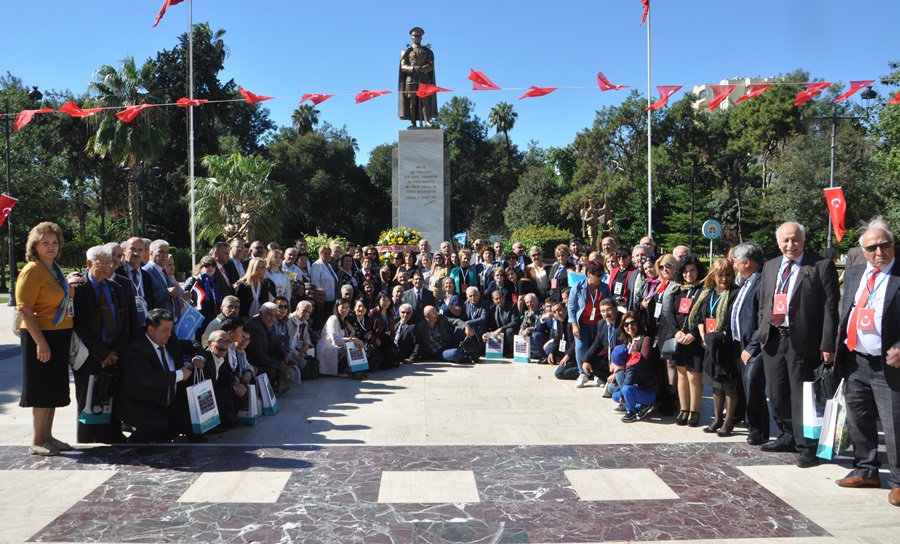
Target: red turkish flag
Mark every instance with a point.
(646, 10)
(188, 102)
(813, 88)
(605, 85)
(855, 86)
(837, 207)
(537, 91)
(369, 95)
(755, 89)
(130, 112)
(425, 90)
(72, 109)
(6, 205)
(162, 11)
(25, 116)
(316, 99)
(665, 91)
(896, 100)
(480, 82)
(253, 98)
(720, 93)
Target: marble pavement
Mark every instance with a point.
(498, 452)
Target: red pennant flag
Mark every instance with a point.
(755, 89)
(6, 205)
(837, 207)
(253, 98)
(605, 85)
(537, 91)
(186, 102)
(162, 11)
(896, 100)
(316, 99)
(130, 112)
(720, 93)
(480, 82)
(369, 95)
(425, 90)
(646, 10)
(855, 86)
(25, 116)
(72, 109)
(665, 91)
(812, 89)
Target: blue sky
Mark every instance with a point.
(286, 48)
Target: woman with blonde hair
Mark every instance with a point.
(254, 289)
(44, 302)
(277, 275)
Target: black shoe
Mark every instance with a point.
(646, 411)
(713, 427)
(682, 418)
(725, 431)
(807, 459)
(629, 417)
(780, 444)
(619, 408)
(693, 419)
(756, 440)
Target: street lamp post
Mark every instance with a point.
(693, 178)
(34, 95)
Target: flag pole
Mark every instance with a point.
(649, 140)
(191, 131)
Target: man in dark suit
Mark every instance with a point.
(418, 297)
(748, 259)
(149, 400)
(869, 358)
(502, 321)
(101, 321)
(475, 313)
(138, 277)
(160, 293)
(234, 267)
(438, 337)
(134, 320)
(265, 351)
(221, 370)
(798, 322)
(403, 335)
(219, 252)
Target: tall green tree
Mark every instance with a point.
(305, 118)
(503, 118)
(127, 144)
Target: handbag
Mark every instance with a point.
(670, 347)
(97, 408)
(17, 324)
(78, 352)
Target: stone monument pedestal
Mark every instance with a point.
(421, 184)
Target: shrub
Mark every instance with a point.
(73, 253)
(315, 241)
(546, 238)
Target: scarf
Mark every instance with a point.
(64, 305)
(721, 310)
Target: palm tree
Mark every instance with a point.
(504, 118)
(127, 144)
(305, 118)
(239, 199)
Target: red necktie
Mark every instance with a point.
(861, 303)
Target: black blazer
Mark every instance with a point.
(505, 318)
(124, 272)
(145, 381)
(406, 343)
(222, 378)
(890, 323)
(88, 322)
(409, 297)
(748, 316)
(264, 350)
(244, 292)
(231, 271)
(222, 282)
(812, 309)
(134, 320)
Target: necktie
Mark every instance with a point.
(109, 321)
(166, 278)
(165, 366)
(418, 299)
(738, 304)
(781, 288)
(400, 329)
(861, 303)
(135, 278)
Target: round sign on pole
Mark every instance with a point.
(712, 229)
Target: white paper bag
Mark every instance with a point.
(493, 349)
(812, 418)
(293, 373)
(96, 411)
(250, 409)
(356, 358)
(202, 404)
(521, 349)
(269, 402)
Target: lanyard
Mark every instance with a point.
(786, 280)
(610, 335)
(594, 296)
(61, 280)
(712, 305)
(871, 300)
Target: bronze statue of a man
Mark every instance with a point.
(416, 66)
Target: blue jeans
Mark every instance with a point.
(583, 344)
(453, 354)
(538, 339)
(616, 385)
(634, 397)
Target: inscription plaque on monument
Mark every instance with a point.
(420, 190)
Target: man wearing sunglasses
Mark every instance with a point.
(869, 358)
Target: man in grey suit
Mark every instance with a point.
(748, 261)
(869, 358)
(798, 323)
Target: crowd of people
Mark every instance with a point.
(650, 329)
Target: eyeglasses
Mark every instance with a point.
(882, 246)
(405, 312)
(283, 307)
(630, 324)
(209, 265)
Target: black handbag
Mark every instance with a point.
(109, 381)
(670, 347)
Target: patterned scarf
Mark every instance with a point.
(721, 309)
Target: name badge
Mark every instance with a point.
(617, 289)
(71, 308)
(865, 319)
(593, 313)
(684, 307)
(141, 305)
(779, 305)
(464, 286)
(710, 325)
(622, 309)
(554, 284)
(515, 298)
(658, 311)
(562, 345)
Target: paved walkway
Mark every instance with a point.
(498, 452)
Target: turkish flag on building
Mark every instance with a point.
(837, 207)
(665, 91)
(6, 205)
(162, 11)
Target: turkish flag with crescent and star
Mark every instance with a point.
(6, 205)
(837, 207)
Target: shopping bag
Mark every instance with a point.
(188, 323)
(356, 358)
(267, 394)
(97, 410)
(493, 349)
(202, 404)
(248, 413)
(835, 437)
(293, 373)
(521, 349)
(812, 411)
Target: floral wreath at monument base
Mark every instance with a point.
(393, 241)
